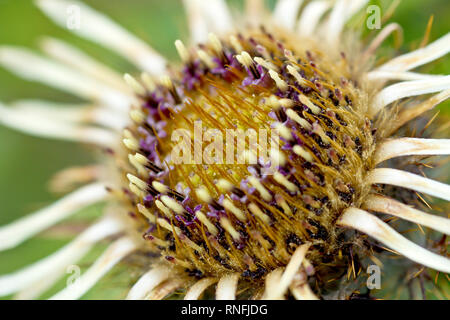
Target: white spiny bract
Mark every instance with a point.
(305, 228)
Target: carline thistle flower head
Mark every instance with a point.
(309, 125)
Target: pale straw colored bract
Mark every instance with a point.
(66, 68)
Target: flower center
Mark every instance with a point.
(253, 147)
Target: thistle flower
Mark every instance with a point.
(301, 229)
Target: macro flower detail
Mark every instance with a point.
(294, 209)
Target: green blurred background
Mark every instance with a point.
(27, 163)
